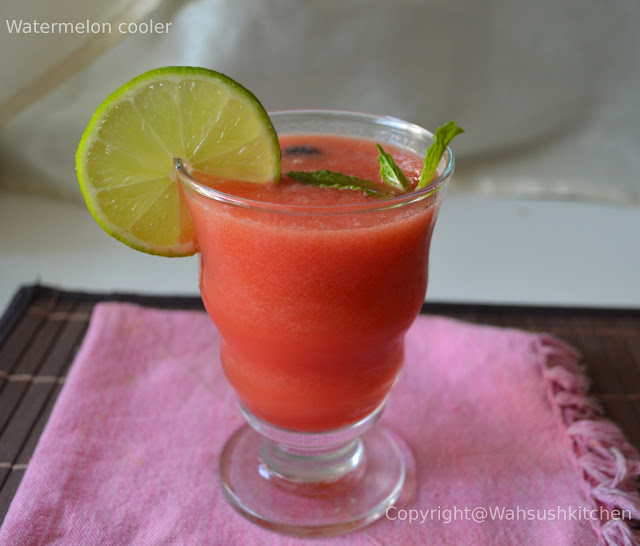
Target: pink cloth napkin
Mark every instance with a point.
(497, 419)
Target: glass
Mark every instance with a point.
(313, 304)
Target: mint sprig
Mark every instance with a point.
(390, 173)
(330, 179)
(441, 139)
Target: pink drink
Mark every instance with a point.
(313, 305)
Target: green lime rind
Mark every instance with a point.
(124, 161)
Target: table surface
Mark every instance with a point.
(43, 327)
(485, 250)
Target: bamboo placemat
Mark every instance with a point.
(43, 327)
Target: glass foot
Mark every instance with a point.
(315, 490)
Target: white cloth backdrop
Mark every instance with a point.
(548, 91)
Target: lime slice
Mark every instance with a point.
(125, 158)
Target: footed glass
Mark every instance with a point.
(312, 302)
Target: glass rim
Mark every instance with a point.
(381, 204)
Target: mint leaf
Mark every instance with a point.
(391, 174)
(441, 139)
(330, 179)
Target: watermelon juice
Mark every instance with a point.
(313, 289)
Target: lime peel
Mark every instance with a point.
(125, 158)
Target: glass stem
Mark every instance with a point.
(313, 465)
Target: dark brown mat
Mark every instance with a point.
(42, 329)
